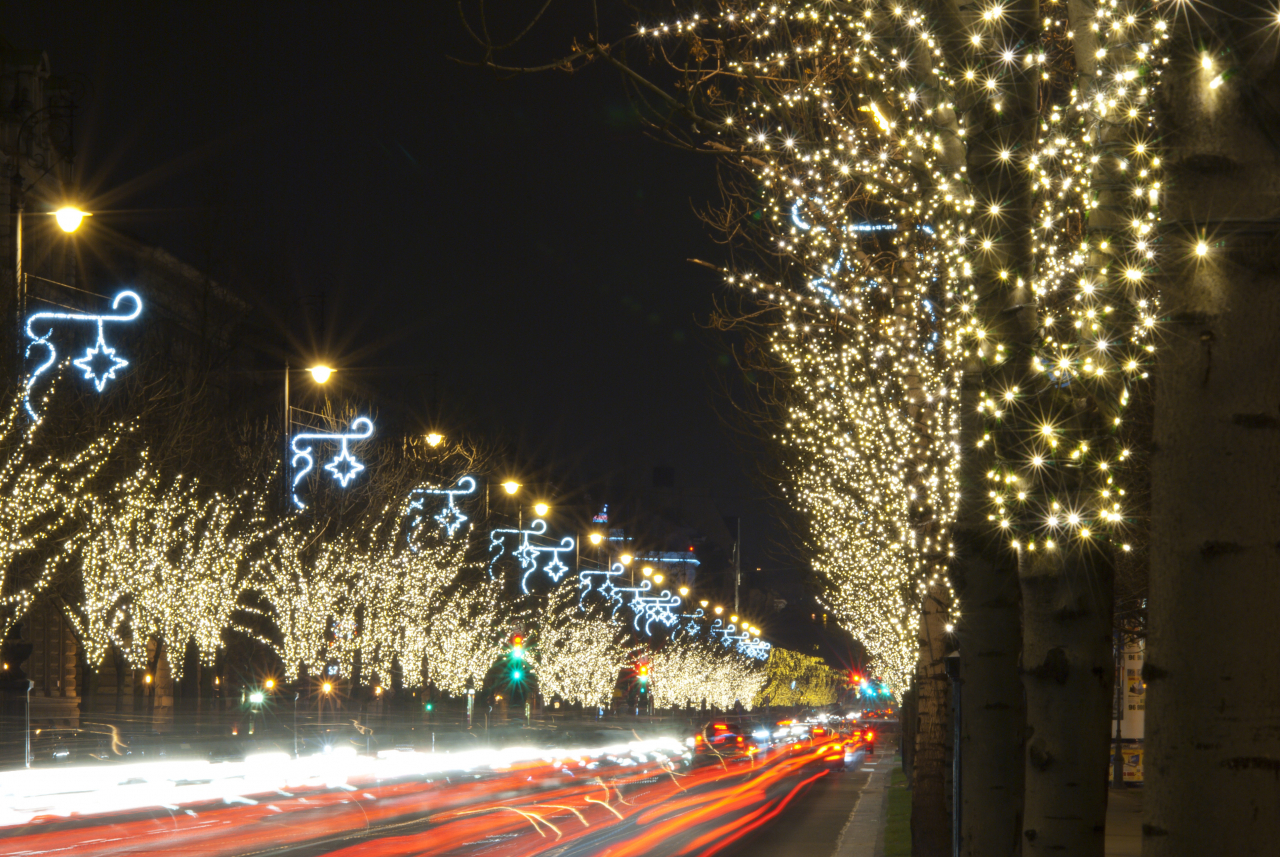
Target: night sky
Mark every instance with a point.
(502, 256)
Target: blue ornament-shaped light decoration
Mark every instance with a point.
(100, 362)
(606, 587)
(450, 517)
(344, 466)
(527, 552)
(647, 608)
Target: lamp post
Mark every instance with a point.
(295, 724)
(321, 374)
(27, 756)
(69, 219)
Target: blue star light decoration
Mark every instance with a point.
(451, 517)
(607, 588)
(647, 608)
(344, 466)
(825, 285)
(528, 552)
(100, 362)
(755, 648)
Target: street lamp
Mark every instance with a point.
(595, 539)
(541, 509)
(69, 218)
(321, 373)
(511, 486)
(434, 439)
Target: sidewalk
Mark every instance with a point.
(863, 833)
(1124, 823)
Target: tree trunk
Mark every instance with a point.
(992, 707)
(930, 821)
(1212, 761)
(988, 627)
(907, 740)
(1067, 672)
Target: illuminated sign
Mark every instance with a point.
(100, 362)
(450, 517)
(344, 466)
(603, 516)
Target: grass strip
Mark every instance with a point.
(897, 828)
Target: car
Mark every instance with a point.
(723, 739)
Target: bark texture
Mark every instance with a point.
(1212, 761)
(1067, 672)
(992, 708)
(930, 821)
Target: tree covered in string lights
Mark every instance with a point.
(690, 671)
(160, 561)
(577, 653)
(41, 489)
(935, 210)
(385, 598)
(795, 680)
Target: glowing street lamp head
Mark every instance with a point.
(256, 697)
(434, 439)
(511, 486)
(321, 373)
(658, 578)
(684, 590)
(541, 509)
(327, 687)
(646, 571)
(626, 559)
(595, 538)
(270, 683)
(69, 218)
(733, 618)
(719, 609)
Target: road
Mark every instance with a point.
(650, 797)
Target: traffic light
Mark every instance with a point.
(429, 707)
(517, 647)
(642, 675)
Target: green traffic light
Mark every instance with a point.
(429, 706)
(515, 674)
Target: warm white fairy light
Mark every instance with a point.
(800, 680)
(879, 242)
(690, 671)
(162, 562)
(39, 494)
(577, 655)
(870, 229)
